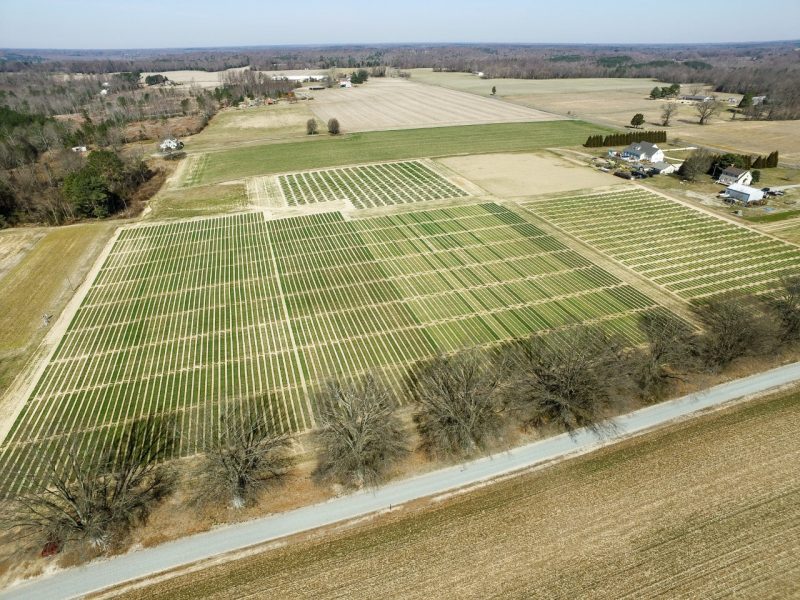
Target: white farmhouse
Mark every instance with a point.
(744, 194)
(733, 175)
(643, 151)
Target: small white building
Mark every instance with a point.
(744, 193)
(345, 84)
(170, 145)
(79, 149)
(733, 175)
(643, 151)
(664, 168)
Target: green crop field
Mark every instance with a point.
(689, 252)
(348, 149)
(185, 315)
(368, 186)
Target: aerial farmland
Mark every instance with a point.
(374, 244)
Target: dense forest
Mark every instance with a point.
(48, 118)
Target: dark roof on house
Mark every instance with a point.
(733, 171)
(645, 147)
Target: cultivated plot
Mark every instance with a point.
(185, 315)
(368, 186)
(399, 104)
(689, 252)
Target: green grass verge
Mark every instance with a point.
(375, 146)
(773, 217)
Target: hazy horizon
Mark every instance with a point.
(149, 25)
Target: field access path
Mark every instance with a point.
(146, 563)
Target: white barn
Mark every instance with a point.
(643, 151)
(744, 193)
(733, 175)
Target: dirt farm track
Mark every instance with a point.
(398, 104)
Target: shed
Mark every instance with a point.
(663, 168)
(744, 193)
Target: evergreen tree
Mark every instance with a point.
(637, 120)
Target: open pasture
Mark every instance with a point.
(185, 315)
(368, 186)
(316, 152)
(399, 104)
(689, 252)
(613, 101)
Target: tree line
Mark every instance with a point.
(462, 404)
(702, 162)
(622, 139)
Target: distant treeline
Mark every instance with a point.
(621, 139)
(769, 68)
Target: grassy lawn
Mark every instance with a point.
(42, 282)
(326, 151)
(698, 510)
(198, 201)
(772, 218)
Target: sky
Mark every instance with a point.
(115, 24)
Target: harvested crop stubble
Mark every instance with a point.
(704, 509)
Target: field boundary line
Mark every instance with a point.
(21, 390)
(233, 539)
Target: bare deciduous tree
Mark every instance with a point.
(248, 453)
(668, 111)
(566, 382)
(458, 403)
(671, 350)
(97, 500)
(735, 326)
(707, 110)
(360, 438)
(311, 127)
(333, 126)
(787, 306)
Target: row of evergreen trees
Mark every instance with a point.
(620, 139)
(766, 162)
(745, 161)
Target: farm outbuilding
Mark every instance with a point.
(664, 168)
(744, 193)
(733, 175)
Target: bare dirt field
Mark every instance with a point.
(513, 175)
(203, 79)
(615, 101)
(212, 79)
(704, 509)
(262, 123)
(383, 104)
